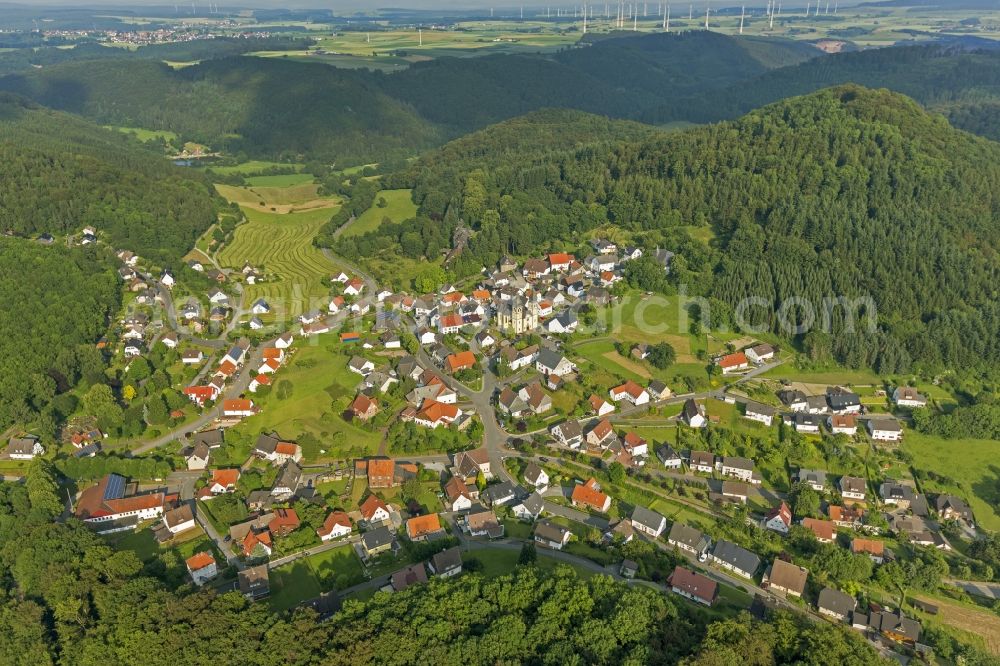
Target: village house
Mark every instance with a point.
(897, 494)
(731, 363)
(589, 495)
(434, 413)
(363, 407)
(842, 401)
(238, 408)
(459, 494)
(648, 521)
(536, 477)
(702, 461)
(894, 626)
(693, 414)
(630, 392)
(779, 519)
(635, 446)
(198, 457)
(735, 491)
(870, 547)
(846, 516)
(447, 563)
(483, 523)
(551, 535)
(814, 478)
(824, 530)
(254, 583)
(853, 488)
(569, 433)
(760, 413)
(693, 586)
(421, 528)
(530, 508)
(602, 434)
(549, 362)
(287, 481)
(739, 468)
(843, 424)
(223, 481)
(806, 423)
(688, 539)
(795, 400)
(669, 457)
(536, 399)
(377, 541)
(735, 558)
(760, 353)
(835, 604)
(907, 396)
(201, 567)
(950, 507)
(600, 406)
(885, 429)
(179, 519)
(374, 511)
(657, 390)
(785, 579)
(24, 448)
(272, 449)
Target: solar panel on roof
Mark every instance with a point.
(115, 488)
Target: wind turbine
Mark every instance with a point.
(666, 19)
(706, 14)
(743, 11)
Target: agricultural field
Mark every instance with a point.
(282, 180)
(282, 199)
(321, 388)
(145, 134)
(399, 206)
(280, 245)
(252, 168)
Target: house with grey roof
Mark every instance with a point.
(648, 521)
(735, 558)
(836, 604)
(688, 539)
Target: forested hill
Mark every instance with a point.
(257, 106)
(963, 85)
(846, 191)
(56, 304)
(61, 173)
(617, 76)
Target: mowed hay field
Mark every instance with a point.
(399, 206)
(281, 246)
(278, 199)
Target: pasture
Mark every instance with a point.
(321, 389)
(278, 199)
(399, 206)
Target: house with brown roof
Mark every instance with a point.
(112, 506)
(411, 575)
(601, 434)
(464, 360)
(589, 494)
(483, 523)
(733, 363)
(470, 463)
(825, 531)
(381, 473)
(785, 578)
(460, 494)
(631, 393)
(870, 547)
(693, 586)
(254, 582)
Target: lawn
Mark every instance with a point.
(969, 468)
(281, 246)
(338, 568)
(292, 584)
(500, 562)
(322, 388)
(252, 167)
(147, 135)
(399, 207)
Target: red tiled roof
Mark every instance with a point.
(451, 320)
(733, 360)
(334, 519)
(823, 529)
(588, 493)
(286, 448)
(461, 361)
(421, 525)
(434, 411)
(629, 387)
(695, 584)
(559, 258)
(225, 477)
(237, 405)
(199, 561)
(370, 505)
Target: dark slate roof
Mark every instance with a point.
(739, 557)
(688, 536)
(378, 537)
(447, 560)
(647, 517)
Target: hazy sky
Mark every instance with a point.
(346, 6)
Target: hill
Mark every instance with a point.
(844, 192)
(261, 107)
(618, 76)
(57, 302)
(62, 173)
(950, 79)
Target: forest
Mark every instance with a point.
(57, 303)
(61, 173)
(229, 104)
(845, 192)
(68, 597)
(360, 116)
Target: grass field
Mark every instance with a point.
(284, 180)
(281, 246)
(972, 465)
(399, 207)
(292, 584)
(287, 199)
(145, 134)
(252, 167)
(974, 625)
(322, 388)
